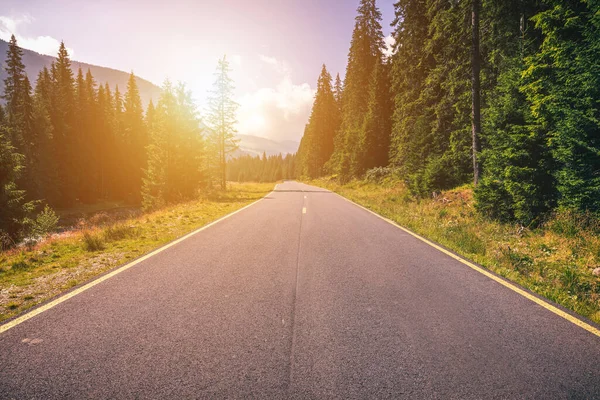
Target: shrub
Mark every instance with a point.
(570, 223)
(376, 175)
(92, 241)
(45, 222)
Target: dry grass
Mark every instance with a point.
(555, 261)
(101, 242)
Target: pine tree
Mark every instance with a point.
(155, 180)
(410, 66)
(324, 123)
(14, 91)
(338, 91)
(120, 146)
(221, 119)
(365, 52)
(108, 168)
(62, 114)
(176, 150)
(135, 139)
(187, 172)
(83, 147)
(30, 141)
(562, 85)
(44, 168)
(517, 182)
(377, 126)
(13, 208)
(431, 140)
(20, 116)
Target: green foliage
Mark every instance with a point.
(562, 88)
(261, 169)
(430, 141)
(378, 174)
(45, 222)
(317, 144)
(13, 207)
(118, 232)
(221, 120)
(92, 241)
(377, 124)
(176, 151)
(365, 53)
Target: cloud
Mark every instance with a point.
(389, 45)
(281, 67)
(278, 113)
(236, 59)
(41, 44)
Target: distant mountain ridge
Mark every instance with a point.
(35, 62)
(255, 145)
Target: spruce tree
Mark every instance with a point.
(517, 182)
(83, 147)
(431, 141)
(13, 207)
(377, 125)
(562, 85)
(411, 64)
(14, 91)
(135, 139)
(155, 180)
(120, 145)
(62, 114)
(221, 119)
(44, 163)
(176, 151)
(324, 123)
(338, 91)
(365, 52)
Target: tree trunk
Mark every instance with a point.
(476, 91)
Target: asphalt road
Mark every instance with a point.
(304, 296)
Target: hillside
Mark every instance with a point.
(35, 62)
(255, 145)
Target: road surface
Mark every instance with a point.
(302, 296)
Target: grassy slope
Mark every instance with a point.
(31, 276)
(555, 261)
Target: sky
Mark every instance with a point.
(275, 47)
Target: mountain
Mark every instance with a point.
(255, 145)
(35, 62)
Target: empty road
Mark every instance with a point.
(301, 296)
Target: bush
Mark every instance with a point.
(378, 174)
(493, 201)
(570, 223)
(92, 241)
(45, 222)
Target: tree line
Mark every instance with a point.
(70, 140)
(247, 168)
(502, 93)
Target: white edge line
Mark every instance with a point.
(510, 285)
(45, 307)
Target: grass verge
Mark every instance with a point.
(556, 260)
(31, 276)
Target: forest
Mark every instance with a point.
(70, 140)
(246, 168)
(502, 95)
